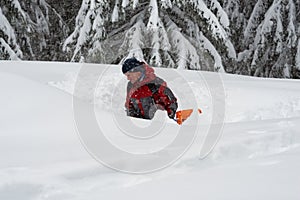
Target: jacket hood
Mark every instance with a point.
(147, 76)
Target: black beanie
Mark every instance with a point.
(130, 63)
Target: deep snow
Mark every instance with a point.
(42, 156)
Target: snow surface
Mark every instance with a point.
(42, 157)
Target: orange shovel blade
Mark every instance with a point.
(182, 115)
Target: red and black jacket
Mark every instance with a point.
(149, 94)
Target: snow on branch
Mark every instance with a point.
(271, 16)
(135, 3)
(221, 14)
(7, 50)
(80, 18)
(133, 41)
(292, 35)
(158, 34)
(154, 19)
(254, 21)
(8, 30)
(213, 22)
(125, 3)
(166, 3)
(17, 5)
(298, 56)
(83, 33)
(115, 13)
(216, 27)
(89, 27)
(218, 66)
(185, 51)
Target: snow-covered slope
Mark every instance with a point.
(43, 157)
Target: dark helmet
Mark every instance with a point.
(130, 64)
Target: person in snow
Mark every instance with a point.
(146, 93)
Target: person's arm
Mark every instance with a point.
(130, 111)
(132, 108)
(168, 100)
(128, 103)
(171, 103)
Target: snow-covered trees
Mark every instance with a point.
(8, 42)
(29, 30)
(89, 30)
(253, 37)
(270, 34)
(166, 33)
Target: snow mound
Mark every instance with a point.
(42, 157)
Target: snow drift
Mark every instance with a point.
(42, 157)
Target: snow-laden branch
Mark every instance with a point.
(185, 51)
(166, 3)
(83, 33)
(213, 22)
(273, 18)
(125, 3)
(8, 30)
(158, 34)
(221, 14)
(17, 5)
(215, 26)
(89, 27)
(154, 20)
(218, 66)
(115, 13)
(80, 18)
(6, 49)
(292, 35)
(134, 40)
(298, 56)
(254, 21)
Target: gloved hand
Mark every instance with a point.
(171, 113)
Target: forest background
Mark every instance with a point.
(254, 37)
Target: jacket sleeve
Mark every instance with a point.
(128, 103)
(171, 103)
(168, 100)
(132, 110)
(131, 106)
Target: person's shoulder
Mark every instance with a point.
(155, 84)
(129, 86)
(158, 81)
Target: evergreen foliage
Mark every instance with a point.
(253, 37)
